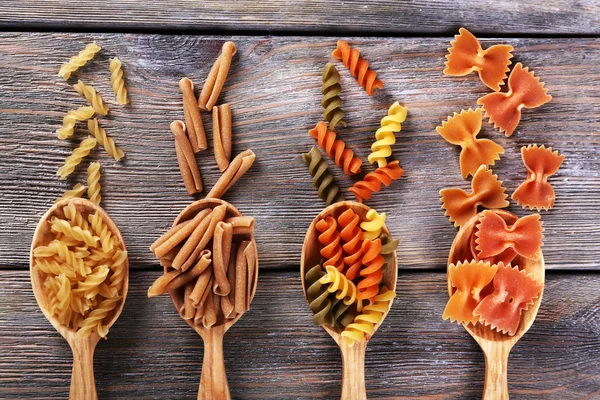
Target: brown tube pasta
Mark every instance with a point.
(250, 254)
(167, 260)
(185, 158)
(190, 244)
(227, 302)
(210, 310)
(179, 235)
(217, 214)
(201, 286)
(165, 236)
(221, 251)
(241, 277)
(188, 308)
(222, 135)
(176, 279)
(193, 119)
(241, 225)
(216, 77)
(238, 167)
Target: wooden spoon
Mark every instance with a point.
(83, 386)
(213, 380)
(496, 346)
(353, 358)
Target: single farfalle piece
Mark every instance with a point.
(384, 137)
(494, 236)
(323, 180)
(363, 189)
(486, 191)
(469, 279)
(78, 60)
(327, 309)
(372, 315)
(541, 163)
(466, 55)
(507, 256)
(336, 149)
(332, 103)
(514, 292)
(373, 224)
(352, 236)
(69, 121)
(372, 273)
(524, 91)
(359, 67)
(343, 288)
(461, 130)
(116, 80)
(330, 239)
(75, 158)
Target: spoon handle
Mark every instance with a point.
(496, 379)
(83, 386)
(213, 381)
(353, 370)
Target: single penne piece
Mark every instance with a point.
(179, 235)
(222, 135)
(175, 279)
(207, 293)
(239, 222)
(216, 77)
(191, 243)
(238, 167)
(210, 315)
(167, 260)
(201, 286)
(218, 214)
(165, 236)
(188, 308)
(185, 157)
(221, 252)
(228, 302)
(193, 119)
(251, 263)
(241, 277)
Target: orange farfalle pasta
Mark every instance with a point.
(461, 130)
(494, 236)
(507, 256)
(336, 149)
(487, 191)
(330, 239)
(524, 91)
(514, 291)
(359, 67)
(372, 181)
(466, 55)
(536, 192)
(469, 279)
(352, 236)
(372, 274)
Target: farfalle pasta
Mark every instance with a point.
(363, 189)
(372, 315)
(332, 103)
(75, 158)
(465, 55)
(541, 163)
(524, 91)
(78, 60)
(384, 137)
(486, 191)
(116, 79)
(461, 130)
(91, 95)
(323, 179)
(329, 237)
(358, 67)
(105, 141)
(352, 236)
(373, 224)
(336, 149)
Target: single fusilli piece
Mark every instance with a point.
(69, 121)
(89, 286)
(53, 267)
(359, 67)
(323, 180)
(91, 95)
(352, 235)
(327, 309)
(93, 182)
(384, 137)
(79, 60)
(75, 232)
(336, 149)
(77, 191)
(343, 288)
(372, 226)
(62, 250)
(363, 190)
(372, 274)
(109, 144)
(330, 239)
(118, 268)
(388, 246)
(74, 216)
(101, 230)
(75, 158)
(332, 102)
(116, 80)
(372, 315)
(94, 319)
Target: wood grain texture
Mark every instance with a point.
(325, 16)
(274, 92)
(274, 351)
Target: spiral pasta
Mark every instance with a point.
(343, 288)
(91, 95)
(359, 67)
(330, 239)
(75, 217)
(363, 189)
(372, 274)
(61, 226)
(89, 287)
(75, 158)
(64, 253)
(101, 230)
(96, 316)
(373, 224)
(116, 80)
(388, 246)
(52, 266)
(327, 309)
(372, 315)
(106, 141)
(69, 121)
(384, 137)
(323, 180)
(352, 235)
(332, 103)
(77, 191)
(336, 149)
(78, 60)
(93, 182)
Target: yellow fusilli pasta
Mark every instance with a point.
(343, 287)
(75, 158)
(372, 227)
(118, 269)
(109, 144)
(96, 316)
(93, 182)
(384, 137)
(116, 79)
(101, 230)
(74, 232)
(77, 191)
(89, 287)
(62, 250)
(54, 267)
(75, 217)
(364, 324)
(78, 60)
(69, 121)
(91, 95)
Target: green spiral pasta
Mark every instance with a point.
(388, 246)
(332, 102)
(327, 189)
(327, 309)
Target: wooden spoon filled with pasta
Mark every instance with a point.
(210, 266)
(349, 271)
(79, 273)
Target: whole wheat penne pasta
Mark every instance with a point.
(203, 300)
(217, 215)
(188, 308)
(186, 159)
(216, 77)
(238, 166)
(158, 287)
(176, 279)
(165, 236)
(167, 260)
(193, 119)
(243, 230)
(221, 252)
(180, 235)
(250, 253)
(222, 135)
(241, 277)
(210, 312)
(190, 244)
(227, 302)
(201, 286)
(243, 221)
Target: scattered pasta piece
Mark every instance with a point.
(106, 141)
(222, 135)
(524, 91)
(69, 120)
(116, 80)
(372, 315)
(486, 191)
(330, 239)
(461, 130)
(336, 149)
(327, 309)
(323, 180)
(93, 181)
(332, 103)
(90, 94)
(494, 236)
(384, 136)
(466, 55)
(514, 292)
(373, 224)
(352, 235)
(216, 77)
(541, 163)
(363, 189)
(359, 67)
(75, 158)
(193, 119)
(372, 273)
(77, 191)
(78, 60)
(237, 168)
(185, 157)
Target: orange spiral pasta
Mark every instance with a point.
(336, 149)
(330, 239)
(373, 180)
(359, 67)
(352, 235)
(373, 273)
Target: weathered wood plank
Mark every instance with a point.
(322, 16)
(274, 351)
(274, 89)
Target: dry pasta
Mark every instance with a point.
(185, 157)
(359, 67)
(332, 103)
(372, 315)
(336, 149)
(78, 60)
(373, 224)
(191, 113)
(77, 191)
(116, 80)
(93, 181)
(222, 135)
(327, 309)
(323, 179)
(91, 95)
(69, 120)
(75, 158)
(237, 168)
(216, 77)
(106, 141)
(384, 137)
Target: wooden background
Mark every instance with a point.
(274, 89)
